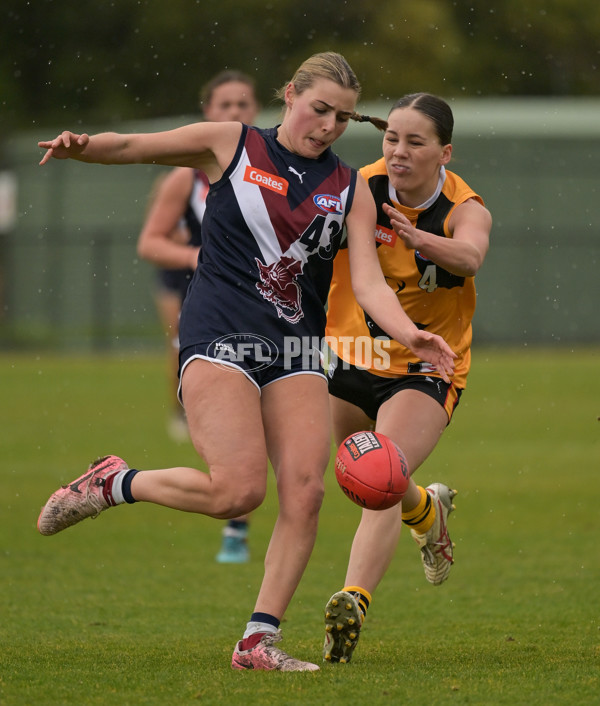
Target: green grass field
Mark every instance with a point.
(132, 608)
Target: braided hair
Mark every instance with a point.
(377, 122)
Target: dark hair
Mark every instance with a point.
(334, 67)
(227, 76)
(379, 123)
(434, 108)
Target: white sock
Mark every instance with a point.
(234, 532)
(254, 627)
(117, 486)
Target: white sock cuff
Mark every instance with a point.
(235, 532)
(254, 627)
(117, 486)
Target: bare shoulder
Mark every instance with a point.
(209, 135)
(471, 210)
(474, 206)
(213, 145)
(363, 204)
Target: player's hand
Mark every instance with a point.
(403, 227)
(65, 146)
(432, 348)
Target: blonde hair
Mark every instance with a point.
(333, 67)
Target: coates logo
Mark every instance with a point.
(353, 450)
(269, 181)
(328, 203)
(385, 236)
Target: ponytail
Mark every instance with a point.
(377, 122)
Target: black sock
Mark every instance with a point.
(126, 486)
(265, 618)
(237, 524)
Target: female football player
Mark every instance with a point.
(251, 389)
(432, 237)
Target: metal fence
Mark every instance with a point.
(70, 276)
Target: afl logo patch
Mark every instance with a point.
(328, 203)
(247, 350)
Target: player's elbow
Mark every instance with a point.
(470, 262)
(469, 269)
(361, 291)
(143, 249)
(474, 262)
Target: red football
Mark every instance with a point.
(371, 470)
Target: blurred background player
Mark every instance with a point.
(433, 235)
(171, 239)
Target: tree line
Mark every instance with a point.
(109, 61)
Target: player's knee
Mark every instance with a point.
(247, 501)
(239, 499)
(314, 498)
(302, 495)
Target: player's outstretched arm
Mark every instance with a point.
(377, 298)
(207, 146)
(463, 253)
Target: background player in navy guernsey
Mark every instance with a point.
(433, 235)
(269, 237)
(171, 238)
